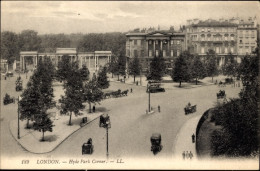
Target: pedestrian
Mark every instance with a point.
(5, 77)
(159, 108)
(131, 90)
(94, 108)
(187, 154)
(190, 155)
(183, 155)
(151, 108)
(146, 111)
(193, 138)
(136, 82)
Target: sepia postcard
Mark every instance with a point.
(130, 85)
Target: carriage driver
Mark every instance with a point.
(188, 105)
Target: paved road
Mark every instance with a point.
(131, 128)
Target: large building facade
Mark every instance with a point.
(147, 45)
(235, 36)
(92, 60)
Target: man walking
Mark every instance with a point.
(190, 155)
(159, 108)
(94, 108)
(193, 138)
(183, 155)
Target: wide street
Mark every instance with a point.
(131, 128)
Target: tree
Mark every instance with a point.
(64, 68)
(211, 64)
(92, 93)
(239, 117)
(73, 99)
(230, 67)
(29, 40)
(121, 65)
(45, 71)
(102, 81)
(37, 98)
(112, 66)
(84, 72)
(157, 68)
(43, 123)
(9, 46)
(30, 102)
(197, 69)
(181, 71)
(134, 67)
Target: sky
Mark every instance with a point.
(67, 17)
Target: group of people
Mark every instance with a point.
(187, 155)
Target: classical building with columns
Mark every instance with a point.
(93, 60)
(147, 45)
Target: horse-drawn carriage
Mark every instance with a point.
(156, 143)
(19, 84)
(88, 148)
(190, 109)
(104, 120)
(7, 99)
(117, 93)
(221, 94)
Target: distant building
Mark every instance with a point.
(220, 36)
(247, 36)
(147, 45)
(93, 60)
(234, 36)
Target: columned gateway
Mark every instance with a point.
(92, 60)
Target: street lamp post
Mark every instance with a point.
(149, 99)
(18, 131)
(108, 125)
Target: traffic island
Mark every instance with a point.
(31, 140)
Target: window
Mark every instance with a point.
(178, 52)
(139, 42)
(202, 29)
(208, 36)
(232, 49)
(226, 37)
(150, 42)
(232, 37)
(202, 37)
(208, 29)
(157, 53)
(135, 53)
(171, 52)
(240, 49)
(178, 42)
(164, 53)
(240, 41)
(135, 42)
(226, 50)
(202, 50)
(217, 49)
(252, 48)
(247, 49)
(171, 42)
(150, 53)
(156, 42)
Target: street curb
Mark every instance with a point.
(57, 144)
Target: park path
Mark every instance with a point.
(184, 139)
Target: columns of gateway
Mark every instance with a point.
(95, 59)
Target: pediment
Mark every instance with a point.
(158, 34)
